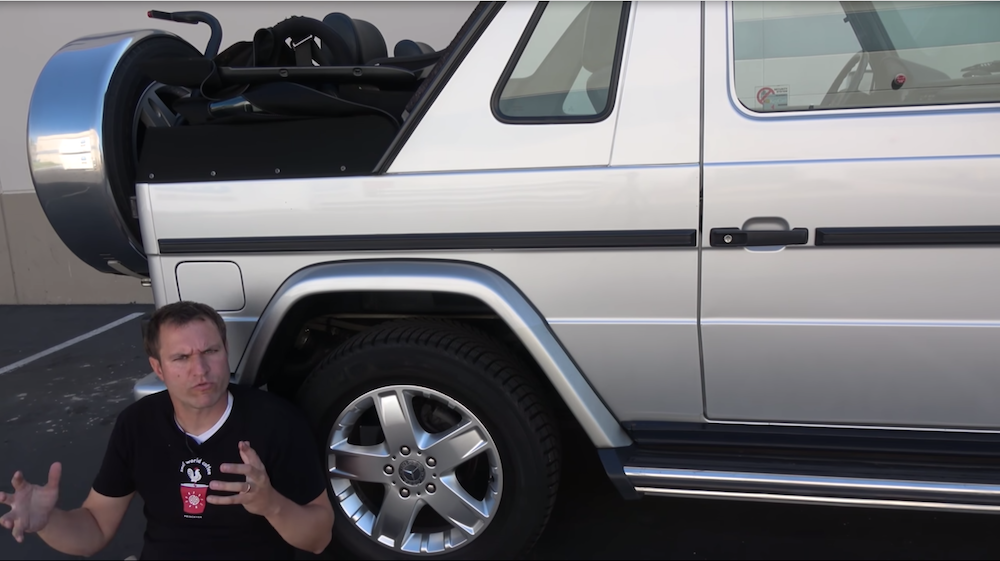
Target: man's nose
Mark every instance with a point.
(201, 364)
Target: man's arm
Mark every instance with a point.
(86, 530)
(83, 531)
(307, 527)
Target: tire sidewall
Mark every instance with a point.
(525, 487)
(125, 89)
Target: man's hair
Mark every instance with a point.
(178, 314)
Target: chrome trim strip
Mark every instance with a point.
(867, 160)
(459, 278)
(623, 321)
(850, 322)
(812, 481)
(557, 169)
(827, 501)
(802, 322)
(845, 426)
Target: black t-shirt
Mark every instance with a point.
(149, 453)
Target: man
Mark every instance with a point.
(225, 471)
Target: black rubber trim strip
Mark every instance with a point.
(410, 242)
(920, 235)
(836, 441)
(612, 462)
(845, 452)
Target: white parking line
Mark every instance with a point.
(71, 342)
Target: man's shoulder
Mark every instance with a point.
(263, 404)
(153, 404)
(142, 415)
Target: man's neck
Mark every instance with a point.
(197, 421)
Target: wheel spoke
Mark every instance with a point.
(155, 113)
(454, 447)
(360, 463)
(459, 508)
(399, 422)
(395, 519)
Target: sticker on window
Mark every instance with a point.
(770, 98)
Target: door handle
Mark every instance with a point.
(735, 237)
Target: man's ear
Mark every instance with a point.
(155, 364)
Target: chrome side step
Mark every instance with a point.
(818, 490)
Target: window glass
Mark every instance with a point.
(800, 56)
(566, 68)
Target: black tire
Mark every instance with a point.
(485, 378)
(125, 89)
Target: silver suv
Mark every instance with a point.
(745, 247)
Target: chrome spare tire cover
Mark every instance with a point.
(67, 148)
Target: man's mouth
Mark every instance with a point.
(202, 386)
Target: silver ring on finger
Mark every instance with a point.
(248, 487)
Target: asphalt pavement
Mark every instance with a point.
(61, 407)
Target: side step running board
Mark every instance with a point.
(811, 489)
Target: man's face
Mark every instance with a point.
(193, 364)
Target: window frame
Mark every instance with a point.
(529, 30)
(851, 112)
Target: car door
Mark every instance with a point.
(555, 130)
(851, 218)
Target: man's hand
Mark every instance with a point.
(31, 505)
(256, 494)
(307, 527)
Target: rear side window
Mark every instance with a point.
(565, 68)
(807, 56)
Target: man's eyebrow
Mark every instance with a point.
(212, 347)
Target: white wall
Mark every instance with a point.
(31, 32)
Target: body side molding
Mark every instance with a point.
(445, 276)
(909, 235)
(414, 242)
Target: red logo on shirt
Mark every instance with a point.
(193, 493)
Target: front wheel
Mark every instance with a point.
(438, 444)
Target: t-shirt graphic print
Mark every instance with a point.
(194, 494)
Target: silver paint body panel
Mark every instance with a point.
(458, 278)
(609, 304)
(807, 335)
(613, 198)
(460, 133)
